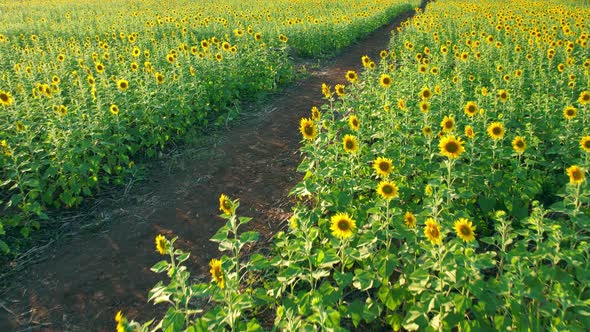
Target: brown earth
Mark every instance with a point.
(80, 282)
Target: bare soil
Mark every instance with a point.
(83, 280)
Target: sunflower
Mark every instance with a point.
(385, 81)
(401, 104)
(99, 67)
(425, 93)
(353, 122)
(503, 95)
(159, 78)
(339, 88)
(114, 109)
(351, 76)
(226, 205)
(326, 90)
(218, 57)
(424, 106)
(496, 130)
(350, 144)
(315, 113)
(388, 190)
(584, 97)
(62, 110)
(569, 112)
(585, 143)
(470, 108)
(383, 54)
(484, 91)
(342, 225)
(427, 131)
(283, 38)
(451, 147)
(432, 231)
(410, 219)
(447, 124)
(257, 36)
(576, 174)
(469, 133)
(464, 229)
(161, 244)
(5, 98)
(383, 166)
(122, 85)
(518, 144)
(307, 129)
(217, 272)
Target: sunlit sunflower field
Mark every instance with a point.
(88, 87)
(445, 188)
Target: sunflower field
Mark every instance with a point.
(444, 188)
(89, 87)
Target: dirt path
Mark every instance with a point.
(84, 280)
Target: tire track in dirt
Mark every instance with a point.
(84, 281)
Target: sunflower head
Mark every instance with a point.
(576, 174)
(350, 144)
(425, 93)
(385, 81)
(410, 219)
(388, 190)
(226, 205)
(424, 106)
(432, 231)
(503, 95)
(342, 225)
(469, 132)
(307, 129)
(519, 144)
(354, 122)
(351, 76)
(584, 97)
(315, 113)
(383, 166)
(585, 143)
(326, 91)
(496, 130)
(161, 244)
(569, 112)
(470, 109)
(217, 272)
(339, 88)
(122, 85)
(451, 147)
(5, 98)
(159, 78)
(464, 229)
(447, 124)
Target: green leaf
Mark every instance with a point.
(173, 321)
(160, 267)
(4, 247)
(249, 237)
(343, 279)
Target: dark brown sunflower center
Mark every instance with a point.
(449, 124)
(587, 144)
(387, 189)
(426, 94)
(497, 130)
(570, 112)
(308, 130)
(4, 97)
(586, 97)
(386, 81)
(433, 231)
(452, 147)
(343, 225)
(349, 144)
(577, 175)
(519, 144)
(471, 109)
(465, 230)
(384, 166)
(503, 95)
